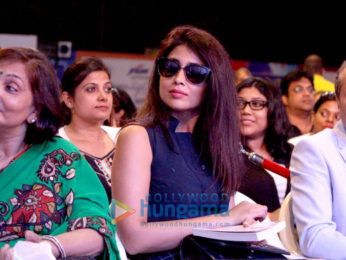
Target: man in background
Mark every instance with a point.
(242, 74)
(297, 93)
(313, 65)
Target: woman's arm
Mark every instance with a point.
(77, 243)
(130, 185)
(82, 242)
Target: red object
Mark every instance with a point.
(265, 163)
(274, 167)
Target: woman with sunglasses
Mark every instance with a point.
(263, 125)
(325, 115)
(178, 167)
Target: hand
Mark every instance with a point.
(6, 252)
(274, 216)
(248, 213)
(33, 237)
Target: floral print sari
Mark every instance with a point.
(51, 189)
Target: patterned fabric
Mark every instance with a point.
(50, 189)
(103, 169)
(102, 166)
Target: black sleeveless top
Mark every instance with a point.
(181, 185)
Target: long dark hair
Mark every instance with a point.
(216, 133)
(45, 89)
(276, 133)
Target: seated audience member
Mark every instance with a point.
(297, 92)
(186, 142)
(318, 168)
(325, 115)
(87, 95)
(313, 66)
(263, 125)
(45, 182)
(123, 108)
(241, 74)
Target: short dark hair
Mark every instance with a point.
(293, 75)
(325, 96)
(76, 73)
(277, 122)
(313, 64)
(45, 89)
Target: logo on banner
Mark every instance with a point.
(119, 211)
(139, 69)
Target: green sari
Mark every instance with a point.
(51, 189)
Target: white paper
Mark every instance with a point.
(25, 250)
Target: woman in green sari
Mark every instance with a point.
(49, 193)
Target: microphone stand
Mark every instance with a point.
(265, 163)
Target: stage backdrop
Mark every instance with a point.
(20, 40)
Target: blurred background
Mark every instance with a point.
(269, 39)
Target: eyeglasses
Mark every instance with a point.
(299, 89)
(254, 104)
(194, 73)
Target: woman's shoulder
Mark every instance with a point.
(133, 129)
(133, 145)
(133, 132)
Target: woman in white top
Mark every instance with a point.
(87, 93)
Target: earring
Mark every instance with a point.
(33, 120)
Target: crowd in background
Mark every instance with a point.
(67, 148)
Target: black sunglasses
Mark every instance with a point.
(194, 73)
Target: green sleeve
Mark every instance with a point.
(87, 205)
